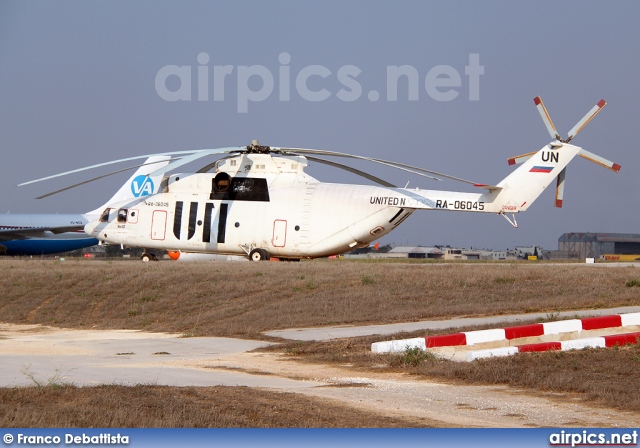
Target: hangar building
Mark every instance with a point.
(595, 245)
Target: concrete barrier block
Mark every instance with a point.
(630, 319)
(594, 323)
(524, 331)
(598, 342)
(540, 347)
(446, 340)
(398, 346)
(621, 339)
(492, 352)
(480, 336)
(562, 326)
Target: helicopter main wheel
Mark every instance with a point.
(259, 255)
(146, 257)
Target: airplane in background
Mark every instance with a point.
(39, 234)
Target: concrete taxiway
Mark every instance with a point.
(41, 355)
(34, 354)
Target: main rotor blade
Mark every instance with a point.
(546, 118)
(351, 156)
(127, 159)
(352, 170)
(94, 179)
(402, 165)
(187, 159)
(599, 160)
(399, 166)
(586, 119)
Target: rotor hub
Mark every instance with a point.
(256, 148)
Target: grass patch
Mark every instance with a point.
(151, 406)
(412, 356)
(367, 280)
(505, 280)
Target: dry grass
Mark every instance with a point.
(148, 406)
(245, 299)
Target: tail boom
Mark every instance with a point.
(513, 194)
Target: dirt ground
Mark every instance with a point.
(418, 401)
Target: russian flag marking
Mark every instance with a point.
(541, 169)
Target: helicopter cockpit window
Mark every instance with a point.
(105, 215)
(230, 188)
(221, 183)
(122, 215)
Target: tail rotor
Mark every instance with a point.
(557, 145)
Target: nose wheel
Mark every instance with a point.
(259, 255)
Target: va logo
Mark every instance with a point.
(142, 186)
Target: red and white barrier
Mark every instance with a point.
(469, 338)
(574, 344)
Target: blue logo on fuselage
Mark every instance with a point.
(142, 186)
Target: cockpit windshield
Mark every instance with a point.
(105, 215)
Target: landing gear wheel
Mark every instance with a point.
(259, 255)
(146, 257)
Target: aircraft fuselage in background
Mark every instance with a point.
(42, 234)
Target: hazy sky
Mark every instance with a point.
(79, 85)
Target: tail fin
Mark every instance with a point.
(561, 175)
(524, 185)
(140, 183)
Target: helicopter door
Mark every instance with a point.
(279, 233)
(158, 224)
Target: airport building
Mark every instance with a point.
(452, 253)
(598, 245)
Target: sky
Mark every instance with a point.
(87, 82)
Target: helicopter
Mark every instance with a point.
(259, 202)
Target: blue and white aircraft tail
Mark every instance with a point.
(40, 234)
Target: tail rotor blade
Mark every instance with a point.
(591, 157)
(546, 118)
(586, 119)
(560, 188)
(521, 158)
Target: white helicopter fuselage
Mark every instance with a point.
(259, 201)
(268, 202)
(262, 205)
